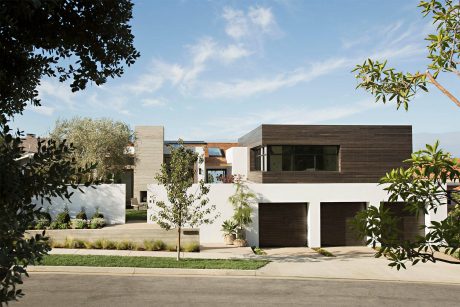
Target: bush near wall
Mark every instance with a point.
(148, 245)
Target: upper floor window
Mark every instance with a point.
(258, 158)
(303, 158)
(215, 152)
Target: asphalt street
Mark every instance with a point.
(116, 290)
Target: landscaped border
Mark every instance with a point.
(151, 262)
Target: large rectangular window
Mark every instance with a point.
(303, 158)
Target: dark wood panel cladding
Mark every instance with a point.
(335, 228)
(367, 152)
(282, 224)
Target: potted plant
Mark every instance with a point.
(242, 211)
(229, 229)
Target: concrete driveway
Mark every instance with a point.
(352, 263)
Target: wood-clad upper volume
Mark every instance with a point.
(366, 152)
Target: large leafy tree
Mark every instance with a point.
(102, 141)
(389, 85)
(79, 41)
(186, 207)
(421, 186)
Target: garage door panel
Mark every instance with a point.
(282, 224)
(335, 224)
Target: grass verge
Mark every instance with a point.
(151, 262)
(136, 215)
(323, 252)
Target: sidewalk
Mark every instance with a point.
(350, 263)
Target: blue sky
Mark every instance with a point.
(214, 70)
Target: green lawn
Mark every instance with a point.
(151, 262)
(136, 215)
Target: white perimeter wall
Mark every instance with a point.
(110, 198)
(312, 194)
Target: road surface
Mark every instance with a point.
(119, 290)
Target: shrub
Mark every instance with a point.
(42, 224)
(82, 214)
(126, 245)
(156, 245)
(45, 215)
(107, 244)
(58, 225)
(97, 222)
(97, 214)
(88, 244)
(79, 224)
(73, 243)
(63, 217)
(191, 247)
(55, 244)
(172, 248)
(97, 244)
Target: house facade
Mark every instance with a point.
(309, 180)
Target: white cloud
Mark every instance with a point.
(249, 87)
(285, 115)
(57, 91)
(43, 110)
(237, 26)
(153, 102)
(233, 52)
(262, 17)
(251, 24)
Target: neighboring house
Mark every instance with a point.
(310, 180)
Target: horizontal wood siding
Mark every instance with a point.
(366, 152)
(335, 224)
(282, 224)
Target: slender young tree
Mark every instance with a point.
(185, 207)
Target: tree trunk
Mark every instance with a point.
(178, 243)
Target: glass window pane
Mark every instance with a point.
(275, 163)
(304, 163)
(330, 150)
(215, 152)
(275, 150)
(327, 163)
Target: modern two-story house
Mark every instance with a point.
(310, 180)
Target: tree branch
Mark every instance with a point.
(442, 89)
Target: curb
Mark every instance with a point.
(138, 271)
(128, 271)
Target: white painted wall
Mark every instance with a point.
(110, 198)
(313, 194)
(238, 157)
(201, 174)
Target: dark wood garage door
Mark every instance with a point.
(282, 224)
(335, 218)
(409, 223)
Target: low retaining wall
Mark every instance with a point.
(134, 235)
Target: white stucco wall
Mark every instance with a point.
(312, 194)
(110, 198)
(238, 157)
